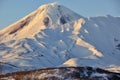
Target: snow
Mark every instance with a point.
(78, 24)
(100, 75)
(71, 62)
(83, 62)
(68, 39)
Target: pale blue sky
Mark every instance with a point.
(13, 10)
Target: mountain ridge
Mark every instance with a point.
(84, 73)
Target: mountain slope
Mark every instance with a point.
(53, 36)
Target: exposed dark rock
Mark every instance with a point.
(118, 46)
(46, 21)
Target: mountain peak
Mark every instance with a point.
(46, 16)
(49, 6)
(54, 4)
(57, 14)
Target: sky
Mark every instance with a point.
(13, 10)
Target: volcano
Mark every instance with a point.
(55, 36)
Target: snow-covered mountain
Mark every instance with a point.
(53, 35)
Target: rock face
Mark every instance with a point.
(53, 35)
